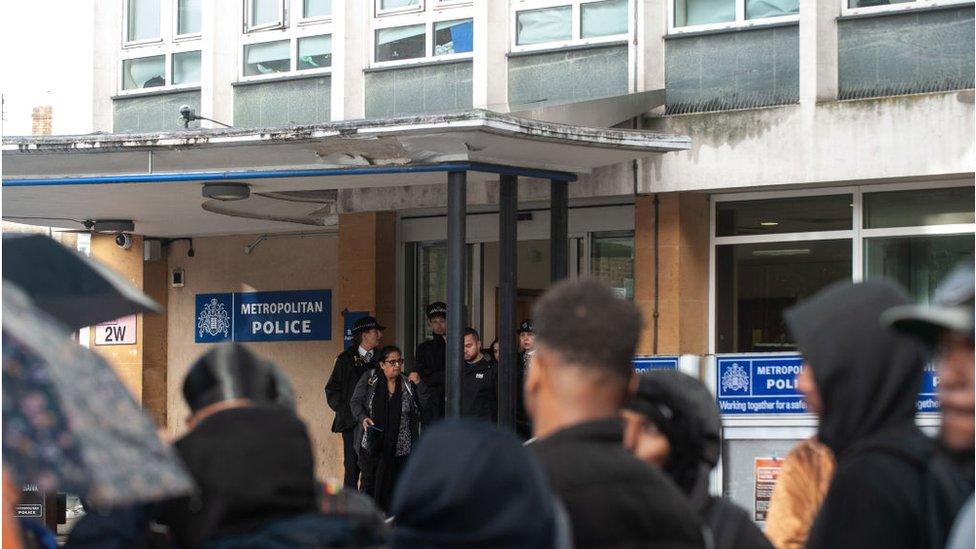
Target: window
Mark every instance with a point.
(726, 13)
(264, 14)
(412, 31)
(453, 37)
(267, 58)
(189, 19)
(143, 21)
(393, 6)
(612, 261)
(144, 72)
(314, 52)
(186, 67)
(772, 250)
(315, 9)
(554, 24)
(398, 43)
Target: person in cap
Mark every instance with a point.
(945, 326)
(526, 345)
(479, 380)
(430, 360)
(673, 423)
(580, 378)
(862, 380)
(350, 365)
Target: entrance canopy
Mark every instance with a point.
(293, 173)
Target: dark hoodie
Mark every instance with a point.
(484, 491)
(868, 379)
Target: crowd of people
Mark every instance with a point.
(601, 457)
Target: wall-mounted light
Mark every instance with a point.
(769, 223)
(226, 191)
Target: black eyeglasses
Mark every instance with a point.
(397, 362)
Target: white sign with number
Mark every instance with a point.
(121, 331)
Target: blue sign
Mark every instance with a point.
(766, 384)
(264, 316)
(645, 363)
(349, 319)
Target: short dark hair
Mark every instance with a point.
(469, 331)
(388, 350)
(586, 322)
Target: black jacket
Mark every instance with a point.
(731, 527)
(479, 385)
(614, 500)
(430, 361)
(523, 425)
(349, 367)
(868, 378)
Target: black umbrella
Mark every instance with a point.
(67, 285)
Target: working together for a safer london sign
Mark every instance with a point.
(304, 315)
(766, 384)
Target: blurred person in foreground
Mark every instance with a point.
(388, 407)
(488, 491)
(798, 494)
(579, 379)
(673, 423)
(862, 380)
(946, 327)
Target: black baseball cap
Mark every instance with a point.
(366, 323)
(437, 308)
(950, 309)
(526, 326)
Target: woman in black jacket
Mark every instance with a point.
(387, 407)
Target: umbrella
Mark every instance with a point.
(67, 285)
(69, 423)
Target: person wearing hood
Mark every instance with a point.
(431, 361)
(673, 423)
(862, 380)
(487, 492)
(946, 327)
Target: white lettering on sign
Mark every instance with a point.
(269, 327)
(781, 384)
(288, 308)
(116, 332)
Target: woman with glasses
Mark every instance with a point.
(387, 406)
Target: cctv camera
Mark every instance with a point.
(186, 112)
(123, 240)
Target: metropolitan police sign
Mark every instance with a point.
(264, 316)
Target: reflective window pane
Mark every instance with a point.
(453, 37)
(394, 4)
(703, 12)
(267, 58)
(544, 25)
(603, 18)
(921, 207)
(145, 72)
(869, 3)
(918, 263)
(186, 67)
(432, 279)
(612, 261)
(784, 215)
(143, 21)
(758, 9)
(318, 8)
(264, 12)
(315, 52)
(401, 43)
(189, 18)
(755, 283)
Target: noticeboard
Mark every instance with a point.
(645, 363)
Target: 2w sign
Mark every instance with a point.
(116, 332)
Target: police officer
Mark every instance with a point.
(349, 367)
(526, 340)
(429, 365)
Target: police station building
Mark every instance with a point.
(715, 161)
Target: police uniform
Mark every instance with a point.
(523, 425)
(430, 364)
(349, 367)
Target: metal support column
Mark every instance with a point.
(558, 229)
(456, 262)
(507, 295)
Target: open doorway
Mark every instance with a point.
(533, 280)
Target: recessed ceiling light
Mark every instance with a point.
(226, 191)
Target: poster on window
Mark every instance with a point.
(767, 471)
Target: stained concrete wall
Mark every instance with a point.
(283, 102)
(153, 113)
(733, 70)
(575, 74)
(424, 89)
(907, 53)
(220, 265)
